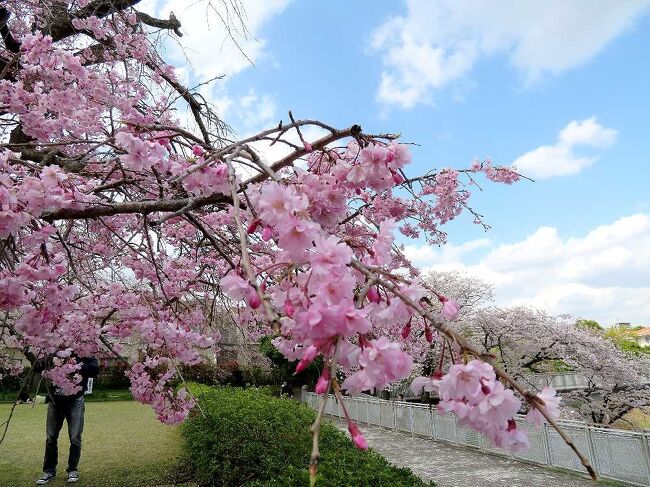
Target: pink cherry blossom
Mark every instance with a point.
(373, 295)
(450, 309)
(323, 382)
(550, 401)
(278, 203)
(381, 362)
(307, 357)
(235, 287)
(357, 437)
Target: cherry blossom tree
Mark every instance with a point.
(118, 223)
(530, 341)
(471, 294)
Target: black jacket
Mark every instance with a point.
(89, 368)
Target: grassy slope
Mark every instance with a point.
(636, 419)
(123, 444)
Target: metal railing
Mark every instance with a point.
(567, 381)
(615, 454)
(562, 382)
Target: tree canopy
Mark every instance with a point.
(119, 224)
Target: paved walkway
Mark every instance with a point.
(452, 466)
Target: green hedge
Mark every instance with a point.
(248, 438)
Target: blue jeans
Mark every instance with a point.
(73, 413)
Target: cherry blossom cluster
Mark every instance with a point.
(472, 392)
(124, 233)
(64, 374)
(313, 282)
(23, 197)
(150, 384)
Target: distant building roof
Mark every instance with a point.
(642, 331)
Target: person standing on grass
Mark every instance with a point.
(71, 409)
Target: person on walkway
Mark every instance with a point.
(71, 409)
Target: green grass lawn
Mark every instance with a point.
(123, 445)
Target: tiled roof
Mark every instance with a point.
(642, 332)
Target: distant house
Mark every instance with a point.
(642, 336)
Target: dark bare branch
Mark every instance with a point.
(172, 23)
(60, 25)
(12, 44)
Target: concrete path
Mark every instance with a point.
(453, 466)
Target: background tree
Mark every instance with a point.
(624, 338)
(589, 325)
(530, 341)
(469, 292)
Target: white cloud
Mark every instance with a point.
(602, 275)
(249, 113)
(438, 42)
(427, 256)
(560, 159)
(208, 46)
(209, 49)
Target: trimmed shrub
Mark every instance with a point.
(248, 438)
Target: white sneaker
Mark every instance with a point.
(45, 478)
(73, 476)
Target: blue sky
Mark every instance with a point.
(559, 88)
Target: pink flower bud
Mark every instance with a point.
(450, 308)
(308, 146)
(289, 310)
(307, 358)
(397, 177)
(267, 233)
(363, 341)
(428, 334)
(406, 331)
(197, 150)
(253, 226)
(164, 142)
(254, 300)
(373, 295)
(323, 382)
(357, 437)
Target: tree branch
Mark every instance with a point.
(12, 44)
(164, 205)
(61, 26)
(172, 24)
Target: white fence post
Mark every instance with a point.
(379, 413)
(645, 440)
(592, 451)
(547, 445)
